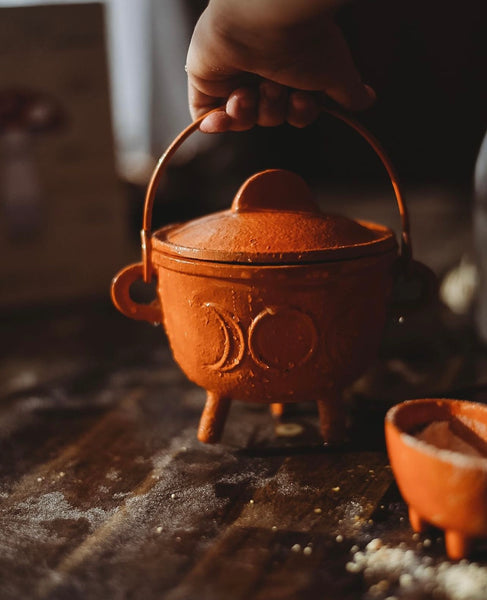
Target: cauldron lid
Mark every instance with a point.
(273, 219)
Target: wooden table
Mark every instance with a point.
(106, 493)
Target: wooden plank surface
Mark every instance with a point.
(106, 493)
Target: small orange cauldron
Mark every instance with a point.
(271, 301)
(443, 485)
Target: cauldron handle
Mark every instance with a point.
(120, 292)
(406, 250)
(409, 273)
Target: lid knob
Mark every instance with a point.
(275, 189)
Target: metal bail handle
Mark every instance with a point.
(406, 248)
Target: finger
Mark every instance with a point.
(325, 64)
(217, 122)
(200, 103)
(302, 109)
(341, 79)
(353, 95)
(241, 107)
(272, 108)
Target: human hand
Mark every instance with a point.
(269, 69)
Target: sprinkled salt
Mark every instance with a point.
(352, 567)
(418, 576)
(308, 550)
(159, 529)
(336, 488)
(440, 435)
(317, 511)
(374, 544)
(405, 580)
(339, 538)
(296, 548)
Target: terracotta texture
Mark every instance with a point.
(443, 488)
(271, 301)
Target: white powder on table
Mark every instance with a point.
(401, 573)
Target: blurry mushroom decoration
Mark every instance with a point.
(24, 114)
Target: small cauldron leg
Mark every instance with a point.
(458, 545)
(332, 417)
(417, 523)
(213, 418)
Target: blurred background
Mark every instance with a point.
(91, 93)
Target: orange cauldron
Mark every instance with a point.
(271, 301)
(442, 485)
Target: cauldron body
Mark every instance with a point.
(272, 333)
(275, 334)
(272, 301)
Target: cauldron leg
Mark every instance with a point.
(332, 417)
(213, 418)
(458, 545)
(277, 409)
(417, 523)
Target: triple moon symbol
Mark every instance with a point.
(226, 344)
(282, 338)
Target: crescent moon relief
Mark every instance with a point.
(233, 347)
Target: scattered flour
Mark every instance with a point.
(287, 485)
(113, 475)
(54, 506)
(351, 515)
(31, 522)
